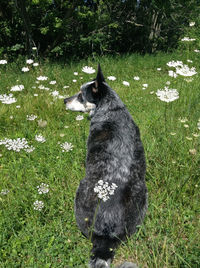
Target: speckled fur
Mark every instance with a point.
(114, 154)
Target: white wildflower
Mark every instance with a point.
(42, 78)
(4, 191)
(52, 82)
(192, 23)
(18, 106)
(175, 63)
(17, 88)
(34, 48)
(15, 144)
(35, 64)
(43, 188)
(38, 205)
(40, 138)
(41, 87)
(75, 73)
(104, 190)
(198, 125)
(125, 83)
(74, 80)
(197, 50)
(159, 69)
(7, 99)
(25, 69)
(112, 78)
(186, 71)
(172, 74)
(187, 39)
(66, 147)
(183, 120)
(136, 78)
(79, 117)
(30, 61)
(2, 62)
(55, 93)
(88, 70)
(167, 95)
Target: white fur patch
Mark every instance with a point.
(75, 105)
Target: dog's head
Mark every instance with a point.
(89, 96)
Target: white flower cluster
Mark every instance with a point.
(42, 78)
(88, 70)
(4, 191)
(167, 95)
(112, 78)
(187, 39)
(40, 138)
(38, 205)
(79, 117)
(17, 145)
(17, 88)
(31, 117)
(104, 190)
(125, 83)
(7, 99)
(43, 188)
(181, 69)
(66, 147)
(2, 62)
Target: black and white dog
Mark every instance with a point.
(111, 201)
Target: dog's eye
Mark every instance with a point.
(80, 98)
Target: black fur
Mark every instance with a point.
(114, 154)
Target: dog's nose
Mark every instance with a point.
(65, 101)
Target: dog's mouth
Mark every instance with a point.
(73, 104)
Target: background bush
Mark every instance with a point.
(76, 29)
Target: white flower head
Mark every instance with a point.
(198, 125)
(38, 205)
(66, 147)
(55, 93)
(2, 62)
(42, 78)
(52, 82)
(31, 117)
(104, 190)
(35, 64)
(17, 88)
(29, 61)
(7, 99)
(75, 73)
(79, 117)
(88, 70)
(125, 83)
(15, 144)
(4, 191)
(172, 74)
(40, 138)
(187, 39)
(25, 69)
(43, 188)
(136, 78)
(175, 63)
(192, 23)
(186, 71)
(167, 95)
(112, 78)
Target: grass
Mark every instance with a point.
(169, 236)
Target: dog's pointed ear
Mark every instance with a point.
(100, 78)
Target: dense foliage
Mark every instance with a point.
(80, 28)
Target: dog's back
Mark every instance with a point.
(115, 156)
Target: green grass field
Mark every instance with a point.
(170, 133)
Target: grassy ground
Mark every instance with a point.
(169, 236)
